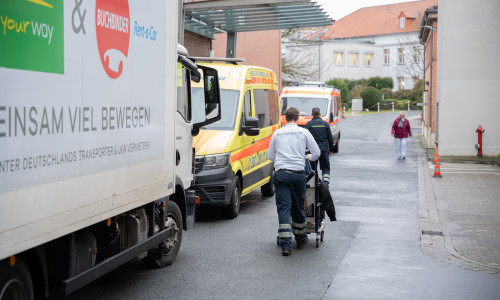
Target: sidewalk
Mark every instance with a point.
(460, 213)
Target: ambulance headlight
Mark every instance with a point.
(216, 161)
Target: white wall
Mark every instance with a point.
(468, 76)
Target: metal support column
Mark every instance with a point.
(231, 45)
(181, 12)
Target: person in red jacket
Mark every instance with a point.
(401, 131)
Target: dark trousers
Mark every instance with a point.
(290, 195)
(324, 162)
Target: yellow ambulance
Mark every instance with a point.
(231, 154)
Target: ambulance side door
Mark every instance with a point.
(266, 103)
(247, 143)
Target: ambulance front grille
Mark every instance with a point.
(217, 193)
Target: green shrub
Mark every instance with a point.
(387, 92)
(370, 97)
(355, 93)
(381, 82)
(352, 83)
(399, 105)
(340, 84)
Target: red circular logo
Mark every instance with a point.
(113, 34)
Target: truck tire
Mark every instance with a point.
(268, 188)
(166, 253)
(232, 210)
(15, 282)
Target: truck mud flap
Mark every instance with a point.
(190, 208)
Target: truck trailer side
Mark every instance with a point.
(89, 163)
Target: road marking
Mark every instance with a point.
(485, 172)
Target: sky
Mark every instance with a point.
(337, 9)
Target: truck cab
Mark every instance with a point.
(186, 127)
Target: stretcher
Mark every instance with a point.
(312, 206)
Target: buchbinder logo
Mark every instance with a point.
(113, 35)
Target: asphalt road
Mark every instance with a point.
(372, 252)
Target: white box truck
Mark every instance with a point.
(96, 157)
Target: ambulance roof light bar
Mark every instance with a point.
(311, 83)
(234, 61)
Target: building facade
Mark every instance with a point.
(259, 48)
(428, 37)
(468, 77)
(372, 41)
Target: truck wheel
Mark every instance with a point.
(268, 188)
(166, 253)
(15, 282)
(231, 211)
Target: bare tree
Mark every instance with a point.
(410, 56)
(299, 62)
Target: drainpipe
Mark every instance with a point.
(423, 85)
(432, 29)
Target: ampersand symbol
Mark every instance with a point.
(80, 16)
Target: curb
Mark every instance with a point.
(433, 241)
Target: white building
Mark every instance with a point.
(373, 41)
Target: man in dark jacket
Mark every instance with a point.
(400, 131)
(322, 134)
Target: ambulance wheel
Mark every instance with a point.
(166, 253)
(336, 147)
(268, 188)
(15, 281)
(231, 211)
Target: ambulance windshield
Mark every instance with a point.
(229, 106)
(304, 105)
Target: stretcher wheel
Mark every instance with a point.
(278, 240)
(317, 243)
(322, 235)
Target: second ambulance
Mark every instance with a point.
(307, 96)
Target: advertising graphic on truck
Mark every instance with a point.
(96, 153)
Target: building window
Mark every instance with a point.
(416, 54)
(338, 58)
(415, 80)
(387, 56)
(401, 83)
(402, 22)
(401, 55)
(353, 59)
(368, 59)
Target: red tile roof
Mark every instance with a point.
(376, 20)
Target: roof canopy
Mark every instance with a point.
(229, 16)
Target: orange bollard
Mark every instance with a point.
(437, 171)
(436, 156)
